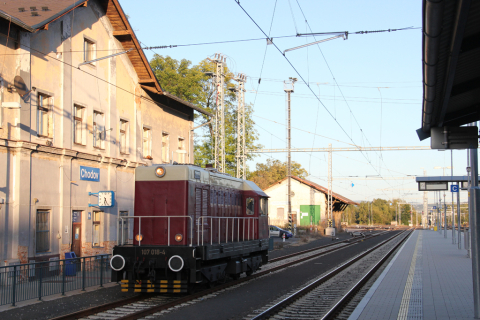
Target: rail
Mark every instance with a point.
(39, 279)
(155, 217)
(201, 220)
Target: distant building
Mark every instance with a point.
(309, 203)
(68, 131)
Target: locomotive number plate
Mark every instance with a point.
(153, 252)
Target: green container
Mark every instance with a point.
(309, 215)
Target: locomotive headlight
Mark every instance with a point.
(117, 262)
(160, 172)
(178, 237)
(139, 237)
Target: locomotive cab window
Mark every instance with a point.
(250, 206)
(264, 206)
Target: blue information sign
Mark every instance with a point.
(434, 207)
(89, 174)
(453, 188)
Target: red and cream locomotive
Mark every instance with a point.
(191, 226)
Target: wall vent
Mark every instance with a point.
(21, 9)
(35, 14)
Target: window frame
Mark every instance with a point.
(92, 54)
(42, 112)
(166, 148)
(101, 137)
(246, 206)
(147, 143)
(123, 145)
(263, 209)
(47, 230)
(82, 125)
(181, 146)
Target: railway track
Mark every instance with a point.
(327, 296)
(143, 305)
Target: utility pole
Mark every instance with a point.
(219, 149)
(241, 134)
(330, 231)
(289, 88)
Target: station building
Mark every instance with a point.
(69, 129)
(308, 200)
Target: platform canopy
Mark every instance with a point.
(451, 64)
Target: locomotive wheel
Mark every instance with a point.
(235, 276)
(249, 273)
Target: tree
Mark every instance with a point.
(190, 83)
(268, 173)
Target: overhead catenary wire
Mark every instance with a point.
(341, 92)
(300, 75)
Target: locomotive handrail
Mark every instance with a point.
(150, 217)
(200, 221)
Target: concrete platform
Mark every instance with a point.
(429, 278)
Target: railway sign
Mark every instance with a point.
(454, 188)
(432, 185)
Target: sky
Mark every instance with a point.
(365, 90)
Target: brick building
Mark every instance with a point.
(71, 127)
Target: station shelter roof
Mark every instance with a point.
(451, 64)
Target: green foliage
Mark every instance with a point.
(190, 83)
(268, 173)
(379, 211)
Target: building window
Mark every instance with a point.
(45, 116)
(181, 150)
(147, 143)
(250, 206)
(123, 228)
(88, 50)
(123, 136)
(97, 228)
(78, 124)
(43, 231)
(98, 130)
(165, 147)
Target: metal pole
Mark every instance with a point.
(289, 159)
(444, 216)
(475, 229)
(453, 211)
(459, 224)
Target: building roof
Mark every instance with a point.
(451, 64)
(319, 188)
(37, 15)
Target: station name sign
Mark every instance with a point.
(432, 186)
(89, 174)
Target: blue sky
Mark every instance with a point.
(377, 101)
